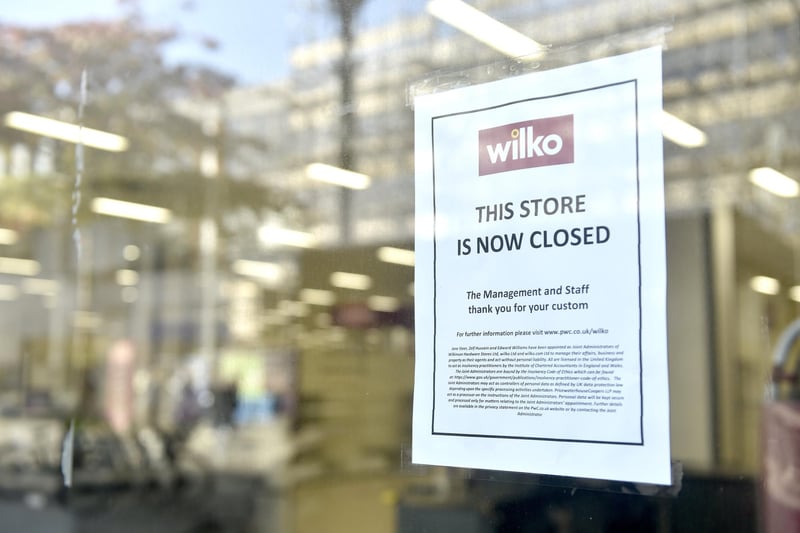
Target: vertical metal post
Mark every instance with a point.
(346, 10)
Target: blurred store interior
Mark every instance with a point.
(208, 326)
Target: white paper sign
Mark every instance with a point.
(540, 274)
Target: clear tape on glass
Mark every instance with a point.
(553, 57)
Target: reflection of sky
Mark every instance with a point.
(253, 35)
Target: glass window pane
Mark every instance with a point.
(207, 264)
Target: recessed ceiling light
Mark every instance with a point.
(337, 176)
(126, 277)
(399, 256)
(383, 303)
(765, 285)
(131, 252)
(258, 269)
(8, 236)
(349, 280)
(274, 235)
(794, 293)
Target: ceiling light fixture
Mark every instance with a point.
(794, 293)
(491, 32)
(8, 236)
(775, 182)
(123, 209)
(337, 176)
(485, 29)
(681, 132)
(349, 280)
(19, 267)
(287, 237)
(398, 256)
(127, 277)
(258, 269)
(131, 252)
(64, 131)
(765, 285)
(387, 304)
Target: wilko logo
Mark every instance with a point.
(533, 143)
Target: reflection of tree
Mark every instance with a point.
(131, 91)
(171, 116)
(129, 85)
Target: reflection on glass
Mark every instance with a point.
(233, 339)
(775, 182)
(337, 176)
(73, 133)
(484, 28)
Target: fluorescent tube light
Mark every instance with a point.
(765, 285)
(398, 256)
(64, 131)
(127, 277)
(680, 132)
(258, 269)
(19, 267)
(288, 237)
(383, 303)
(317, 297)
(775, 182)
(8, 236)
(485, 29)
(337, 176)
(794, 293)
(348, 280)
(120, 208)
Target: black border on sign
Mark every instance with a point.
(638, 257)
